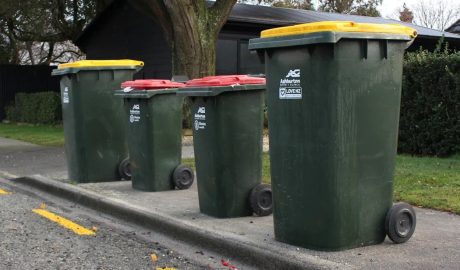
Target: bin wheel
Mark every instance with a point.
(183, 177)
(400, 222)
(124, 169)
(260, 200)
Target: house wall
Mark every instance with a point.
(125, 33)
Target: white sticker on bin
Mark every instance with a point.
(128, 89)
(200, 118)
(135, 113)
(290, 85)
(65, 95)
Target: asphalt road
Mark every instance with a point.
(31, 241)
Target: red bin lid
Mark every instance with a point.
(225, 80)
(151, 84)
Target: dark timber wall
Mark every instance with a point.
(123, 34)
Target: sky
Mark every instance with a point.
(390, 7)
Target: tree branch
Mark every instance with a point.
(220, 11)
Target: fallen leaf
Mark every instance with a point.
(228, 264)
(154, 257)
(42, 206)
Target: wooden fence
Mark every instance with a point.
(26, 79)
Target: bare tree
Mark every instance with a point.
(296, 4)
(354, 7)
(406, 15)
(38, 53)
(338, 6)
(436, 14)
(39, 31)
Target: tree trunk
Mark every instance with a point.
(193, 43)
(49, 56)
(14, 50)
(30, 52)
(191, 28)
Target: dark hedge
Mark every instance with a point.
(430, 105)
(35, 108)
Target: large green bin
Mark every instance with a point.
(93, 117)
(154, 133)
(333, 106)
(227, 113)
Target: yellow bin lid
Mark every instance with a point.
(101, 63)
(339, 26)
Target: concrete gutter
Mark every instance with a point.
(264, 257)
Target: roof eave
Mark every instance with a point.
(262, 21)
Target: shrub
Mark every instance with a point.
(35, 108)
(430, 104)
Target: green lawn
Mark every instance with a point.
(421, 181)
(37, 134)
(428, 182)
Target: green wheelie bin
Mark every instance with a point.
(227, 120)
(333, 105)
(154, 134)
(94, 130)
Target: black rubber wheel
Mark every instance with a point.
(124, 169)
(400, 222)
(260, 200)
(183, 177)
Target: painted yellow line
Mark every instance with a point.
(80, 230)
(4, 192)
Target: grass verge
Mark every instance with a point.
(428, 182)
(421, 181)
(37, 134)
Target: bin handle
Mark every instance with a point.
(410, 43)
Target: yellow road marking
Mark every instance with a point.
(80, 230)
(4, 192)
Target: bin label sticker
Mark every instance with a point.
(135, 113)
(290, 87)
(200, 118)
(65, 95)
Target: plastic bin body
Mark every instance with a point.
(333, 106)
(154, 134)
(227, 133)
(93, 120)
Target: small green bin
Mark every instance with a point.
(333, 106)
(93, 118)
(227, 120)
(154, 134)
